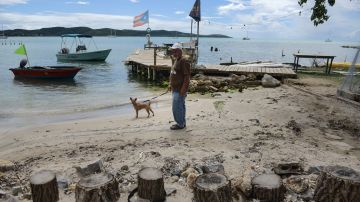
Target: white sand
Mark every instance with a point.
(224, 127)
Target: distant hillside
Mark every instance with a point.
(58, 31)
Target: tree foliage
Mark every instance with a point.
(319, 11)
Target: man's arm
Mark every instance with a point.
(186, 83)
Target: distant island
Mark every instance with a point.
(58, 31)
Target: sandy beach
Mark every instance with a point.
(300, 121)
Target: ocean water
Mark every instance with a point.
(105, 87)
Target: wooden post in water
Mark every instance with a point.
(44, 187)
(148, 73)
(155, 56)
(154, 74)
(294, 67)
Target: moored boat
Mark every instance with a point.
(46, 72)
(2, 35)
(344, 65)
(80, 52)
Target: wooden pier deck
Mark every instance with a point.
(149, 62)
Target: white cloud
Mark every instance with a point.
(179, 12)
(78, 2)
(270, 19)
(10, 2)
(134, 1)
(349, 5)
(274, 5)
(52, 19)
(231, 7)
(158, 15)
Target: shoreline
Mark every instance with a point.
(14, 121)
(248, 131)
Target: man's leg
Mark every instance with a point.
(183, 113)
(178, 108)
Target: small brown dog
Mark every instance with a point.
(139, 106)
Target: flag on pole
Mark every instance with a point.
(141, 19)
(195, 11)
(21, 50)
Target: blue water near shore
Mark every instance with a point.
(107, 86)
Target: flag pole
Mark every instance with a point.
(28, 60)
(27, 56)
(197, 42)
(191, 30)
(148, 19)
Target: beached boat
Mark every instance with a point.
(80, 52)
(344, 65)
(328, 40)
(247, 37)
(46, 72)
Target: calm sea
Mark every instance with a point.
(105, 87)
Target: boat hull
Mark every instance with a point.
(100, 55)
(49, 72)
(343, 65)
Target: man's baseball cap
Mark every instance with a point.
(176, 46)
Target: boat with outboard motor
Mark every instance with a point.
(80, 52)
(44, 72)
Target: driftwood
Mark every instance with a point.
(151, 184)
(101, 187)
(212, 187)
(44, 186)
(337, 183)
(268, 188)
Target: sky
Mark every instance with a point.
(257, 19)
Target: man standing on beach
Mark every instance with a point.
(179, 84)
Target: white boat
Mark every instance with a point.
(3, 36)
(246, 38)
(78, 50)
(112, 35)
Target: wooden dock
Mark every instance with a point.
(151, 62)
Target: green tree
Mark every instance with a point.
(319, 11)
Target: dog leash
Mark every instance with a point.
(157, 96)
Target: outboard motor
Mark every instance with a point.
(23, 63)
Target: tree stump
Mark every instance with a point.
(151, 184)
(212, 187)
(44, 186)
(268, 188)
(337, 183)
(101, 187)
